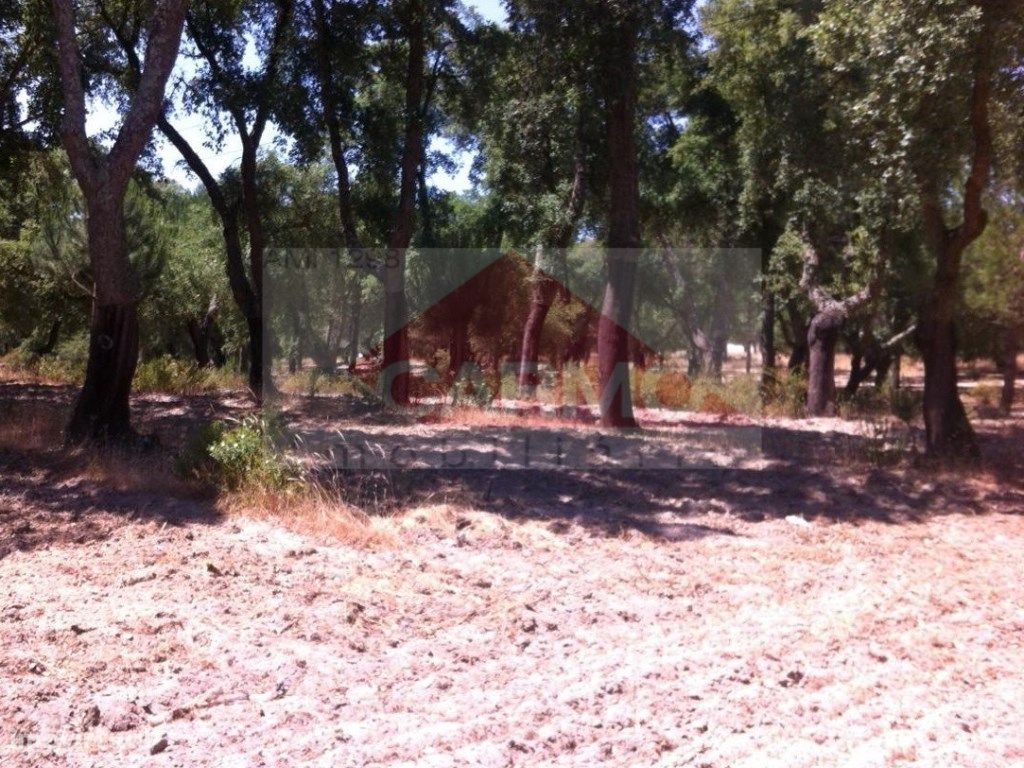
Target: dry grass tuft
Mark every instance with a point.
(471, 416)
(310, 510)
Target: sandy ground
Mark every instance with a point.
(791, 615)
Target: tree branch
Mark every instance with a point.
(147, 102)
(196, 165)
(72, 129)
(975, 217)
(263, 108)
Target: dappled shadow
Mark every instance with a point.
(802, 472)
(49, 500)
(657, 482)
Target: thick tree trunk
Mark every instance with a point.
(102, 412)
(821, 369)
(543, 291)
(948, 431)
(1011, 351)
(824, 331)
(613, 343)
(623, 232)
(396, 367)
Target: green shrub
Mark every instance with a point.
(168, 374)
(182, 377)
(65, 365)
(238, 455)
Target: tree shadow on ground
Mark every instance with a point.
(50, 500)
(742, 474)
(814, 475)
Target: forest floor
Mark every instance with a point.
(802, 607)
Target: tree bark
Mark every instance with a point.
(948, 431)
(102, 409)
(544, 288)
(768, 335)
(51, 338)
(623, 231)
(823, 333)
(395, 371)
(821, 368)
(201, 332)
(542, 296)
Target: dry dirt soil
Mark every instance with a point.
(789, 615)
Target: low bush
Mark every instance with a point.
(239, 455)
(672, 390)
(173, 375)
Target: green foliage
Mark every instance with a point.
(65, 365)
(173, 375)
(239, 455)
(993, 290)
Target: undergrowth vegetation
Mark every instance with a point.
(238, 455)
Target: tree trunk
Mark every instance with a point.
(51, 338)
(623, 231)
(256, 355)
(948, 431)
(1011, 351)
(768, 336)
(102, 411)
(395, 366)
(821, 369)
(357, 308)
(824, 331)
(200, 343)
(201, 332)
(544, 290)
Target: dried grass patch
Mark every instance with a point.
(309, 510)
